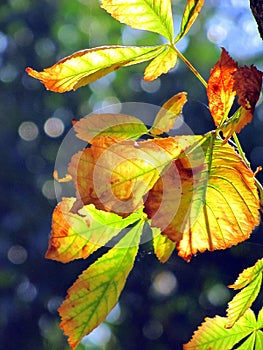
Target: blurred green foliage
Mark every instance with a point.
(161, 304)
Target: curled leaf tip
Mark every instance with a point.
(66, 178)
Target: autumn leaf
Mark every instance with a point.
(86, 66)
(216, 204)
(249, 281)
(163, 246)
(115, 175)
(170, 111)
(161, 64)
(76, 236)
(213, 334)
(97, 289)
(155, 16)
(191, 11)
(220, 88)
(119, 126)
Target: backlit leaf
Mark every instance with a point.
(78, 235)
(163, 246)
(114, 175)
(170, 111)
(86, 66)
(191, 11)
(220, 89)
(205, 201)
(152, 15)
(213, 334)
(119, 126)
(250, 280)
(160, 64)
(97, 289)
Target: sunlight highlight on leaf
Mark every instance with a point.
(161, 64)
(191, 11)
(119, 126)
(152, 15)
(97, 290)
(76, 236)
(170, 111)
(86, 66)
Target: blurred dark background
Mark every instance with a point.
(162, 304)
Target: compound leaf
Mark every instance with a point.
(152, 15)
(250, 280)
(76, 236)
(161, 64)
(119, 126)
(97, 289)
(86, 66)
(191, 11)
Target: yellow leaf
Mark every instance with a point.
(216, 205)
(152, 15)
(161, 64)
(163, 246)
(170, 111)
(76, 236)
(86, 66)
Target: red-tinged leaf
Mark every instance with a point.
(76, 236)
(97, 290)
(220, 89)
(115, 175)
(163, 246)
(152, 15)
(86, 66)
(170, 111)
(250, 280)
(212, 334)
(161, 64)
(191, 11)
(118, 126)
(216, 205)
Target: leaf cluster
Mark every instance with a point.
(196, 192)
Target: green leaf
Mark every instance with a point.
(192, 9)
(152, 15)
(118, 126)
(163, 246)
(86, 66)
(96, 291)
(76, 236)
(250, 279)
(213, 334)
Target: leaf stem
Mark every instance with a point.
(190, 66)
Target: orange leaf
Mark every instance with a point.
(220, 89)
(114, 175)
